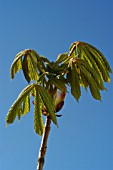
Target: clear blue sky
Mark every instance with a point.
(84, 139)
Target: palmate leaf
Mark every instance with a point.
(22, 106)
(30, 62)
(73, 79)
(87, 57)
(94, 68)
(95, 58)
(38, 121)
(100, 55)
(17, 108)
(14, 67)
(99, 64)
(96, 76)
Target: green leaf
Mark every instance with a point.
(38, 121)
(94, 59)
(30, 64)
(61, 58)
(17, 63)
(25, 69)
(73, 79)
(93, 73)
(16, 67)
(101, 65)
(36, 55)
(19, 113)
(44, 59)
(95, 91)
(26, 105)
(83, 81)
(65, 64)
(57, 82)
(72, 49)
(87, 57)
(37, 61)
(48, 103)
(16, 108)
(101, 56)
(32, 68)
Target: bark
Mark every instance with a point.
(43, 147)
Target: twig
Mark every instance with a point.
(43, 147)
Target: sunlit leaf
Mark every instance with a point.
(100, 55)
(95, 91)
(16, 67)
(73, 79)
(16, 108)
(48, 103)
(26, 105)
(61, 58)
(38, 121)
(17, 63)
(92, 72)
(94, 58)
(32, 68)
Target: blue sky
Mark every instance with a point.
(84, 139)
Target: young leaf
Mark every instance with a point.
(101, 65)
(38, 121)
(26, 105)
(95, 91)
(32, 68)
(83, 81)
(73, 79)
(93, 72)
(48, 103)
(17, 105)
(101, 56)
(72, 49)
(25, 69)
(58, 83)
(92, 56)
(61, 58)
(16, 67)
(64, 65)
(30, 62)
(17, 63)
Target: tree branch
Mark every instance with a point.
(43, 147)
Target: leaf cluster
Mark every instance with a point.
(90, 69)
(84, 65)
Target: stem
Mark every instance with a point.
(43, 147)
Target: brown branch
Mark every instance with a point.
(43, 147)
